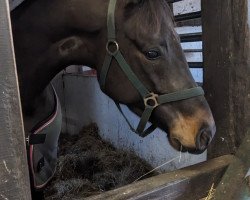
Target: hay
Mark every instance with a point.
(211, 193)
(89, 166)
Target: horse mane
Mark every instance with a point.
(150, 14)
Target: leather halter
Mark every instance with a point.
(151, 100)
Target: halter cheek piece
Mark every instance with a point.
(151, 100)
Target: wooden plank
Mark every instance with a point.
(226, 45)
(236, 175)
(188, 183)
(14, 178)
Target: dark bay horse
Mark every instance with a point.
(50, 35)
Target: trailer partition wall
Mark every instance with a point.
(226, 43)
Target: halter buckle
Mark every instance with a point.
(115, 45)
(151, 100)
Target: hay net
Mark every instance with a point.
(88, 166)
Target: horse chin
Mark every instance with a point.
(176, 144)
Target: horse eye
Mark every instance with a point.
(152, 54)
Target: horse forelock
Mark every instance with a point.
(151, 15)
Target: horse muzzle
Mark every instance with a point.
(192, 133)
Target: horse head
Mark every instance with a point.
(146, 39)
(151, 70)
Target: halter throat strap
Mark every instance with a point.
(151, 100)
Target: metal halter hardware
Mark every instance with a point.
(151, 100)
(112, 52)
(152, 97)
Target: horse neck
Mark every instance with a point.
(47, 42)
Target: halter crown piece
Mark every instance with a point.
(151, 100)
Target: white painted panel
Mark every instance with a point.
(186, 6)
(85, 103)
(194, 57)
(191, 45)
(249, 13)
(188, 29)
(197, 74)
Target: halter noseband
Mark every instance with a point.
(151, 100)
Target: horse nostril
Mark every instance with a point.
(203, 139)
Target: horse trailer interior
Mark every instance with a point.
(215, 39)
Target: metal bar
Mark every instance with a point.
(192, 50)
(188, 16)
(193, 22)
(191, 37)
(14, 175)
(195, 65)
